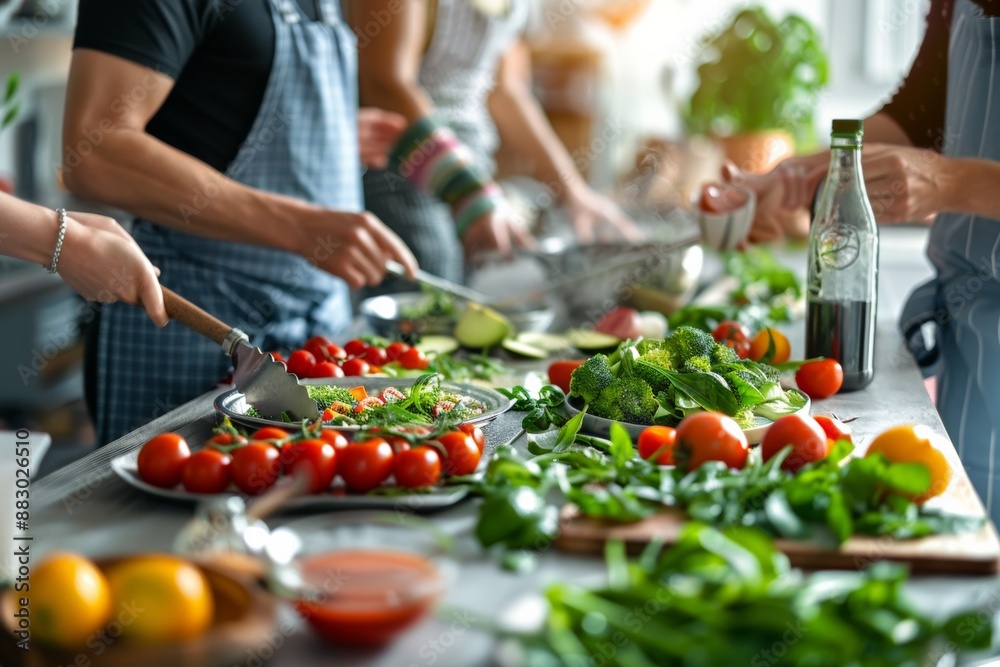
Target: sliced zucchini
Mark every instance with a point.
(437, 344)
(517, 347)
(544, 341)
(587, 340)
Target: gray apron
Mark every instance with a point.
(303, 144)
(964, 298)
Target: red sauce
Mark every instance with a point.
(372, 595)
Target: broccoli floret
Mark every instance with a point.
(745, 418)
(660, 356)
(699, 364)
(687, 342)
(591, 378)
(650, 373)
(627, 399)
(324, 395)
(649, 345)
(723, 354)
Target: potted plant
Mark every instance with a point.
(10, 107)
(759, 82)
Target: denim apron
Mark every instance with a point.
(302, 144)
(964, 298)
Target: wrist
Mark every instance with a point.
(954, 177)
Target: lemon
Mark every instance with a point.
(69, 600)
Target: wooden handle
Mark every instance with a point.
(194, 318)
(279, 494)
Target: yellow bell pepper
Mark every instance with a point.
(915, 444)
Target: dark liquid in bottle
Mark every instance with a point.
(844, 331)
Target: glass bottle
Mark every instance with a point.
(842, 283)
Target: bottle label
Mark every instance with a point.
(839, 248)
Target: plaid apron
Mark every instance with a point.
(303, 144)
(964, 298)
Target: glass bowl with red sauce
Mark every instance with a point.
(378, 574)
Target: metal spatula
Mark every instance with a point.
(264, 382)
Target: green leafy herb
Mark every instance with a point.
(543, 412)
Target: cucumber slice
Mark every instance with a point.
(437, 344)
(517, 347)
(592, 341)
(544, 341)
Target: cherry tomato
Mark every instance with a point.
(276, 356)
(655, 439)
(355, 348)
(398, 444)
(333, 352)
(477, 435)
(315, 457)
(820, 379)
(376, 356)
(834, 428)
(365, 465)
(226, 440)
(207, 471)
(560, 372)
(734, 335)
(335, 438)
(395, 350)
(327, 369)
(461, 453)
(760, 343)
(315, 346)
(161, 460)
(417, 468)
(301, 363)
(710, 436)
(808, 441)
(356, 367)
(256, 467)
(721, 198)
(270, 433)
(413, 359)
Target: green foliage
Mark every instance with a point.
(10, 107)
(687, 342)
(627, 399)
(591, 378)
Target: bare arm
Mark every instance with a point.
(134, 171)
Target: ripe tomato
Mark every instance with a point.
(461, 453)
(413, 359)
(710, 436)
(333, 352)
(207, 471)
(916, 444)
(395, 350)
(834, 428)
(301, 363)
(560, 372)
(760, 342)
(315, 457)
(356, 367)
(734, 335)
(376, 356)
(335, 438)
(226, 440)
(398, 444)
(477, 435)
(256, 467)
(161, 460)
(365, 465)
(417, 468)
(276, 356)
(355, 348)
(270, 433)
(655, 439)
(315, 346)
(327, 369)
(804, 434)
(820, 379)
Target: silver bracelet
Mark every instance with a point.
(59, 240)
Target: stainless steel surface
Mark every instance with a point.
(266, 385)
(424, 278)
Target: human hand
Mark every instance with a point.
(378, 132)
(496, 231)
(102, 262)
(591, 211)
(351, 246)
(904, 184)
(783, 197)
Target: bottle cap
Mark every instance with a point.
(848, 126)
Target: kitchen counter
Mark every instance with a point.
(85, 507)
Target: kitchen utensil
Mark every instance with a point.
(429, 279)
(264, 383)
(726, 230)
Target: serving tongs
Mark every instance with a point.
(265, 383)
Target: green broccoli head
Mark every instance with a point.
(627, 399)
(591, 378)
(699, 364)
(651, 373)
(648, 345)
(686, 342)
(745, 418)
(723, 354)
(659, 356)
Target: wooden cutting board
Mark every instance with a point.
(968, 553)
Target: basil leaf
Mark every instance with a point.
(621, 446)
(709, 390)
(782, 517)
(908, 478)
(749, 394)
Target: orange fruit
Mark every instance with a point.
(915, 444)
(760, 343)
(69, 600)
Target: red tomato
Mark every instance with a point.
(270, 433)
(161, 460)
(560, 372)
(655, 439)
(398, 444)
(734, 335)
(301, 363)
(418, 467)
(461, 453)
(356, 367)
(820, 379)
(256, 467)
(413, 359)
(226, 440)
(622, 322)
(315, 346)
(376, 356)
(335, 438)
(207, 471)
(710, 436)
(333, 352)
(355, 348)
(276, 356)
(477, 435)
(315, 457)
(721, 198)
(327, 369)
(395, 350)
(365, 465)
(808, 441)
(834, 428)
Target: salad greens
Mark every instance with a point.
(436, 304)
(730, 598)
